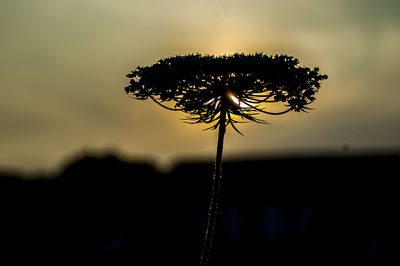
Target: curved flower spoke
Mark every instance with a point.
(232, 123)
(164, 106)
(266, 112)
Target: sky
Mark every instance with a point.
(63, 65)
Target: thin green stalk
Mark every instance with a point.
(215, 193)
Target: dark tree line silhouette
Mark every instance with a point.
(105, 210)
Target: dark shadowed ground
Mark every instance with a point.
(315, 211)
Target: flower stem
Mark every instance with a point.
(215, 193)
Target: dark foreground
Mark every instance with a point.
(313, 211)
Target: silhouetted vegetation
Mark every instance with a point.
(208, 87)
(317, 211)
(222, 91)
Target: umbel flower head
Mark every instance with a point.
(236, 86)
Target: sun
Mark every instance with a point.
(236, 101)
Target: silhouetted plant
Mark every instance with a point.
(222, 91)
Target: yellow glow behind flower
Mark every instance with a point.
(238, 102)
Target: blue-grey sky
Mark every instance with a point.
(63, 66)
